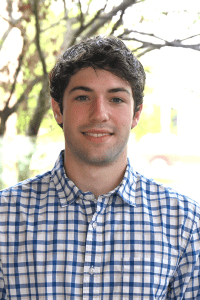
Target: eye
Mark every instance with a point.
(82, 98)
(117, 100)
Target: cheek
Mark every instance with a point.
(74, 115)
(80, 113)
(125, 119)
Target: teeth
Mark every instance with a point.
(96, 134)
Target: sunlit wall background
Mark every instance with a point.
(165, 145)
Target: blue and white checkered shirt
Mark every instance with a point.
(140, 241)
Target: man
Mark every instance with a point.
(94, 228)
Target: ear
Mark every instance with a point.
(56, 110)
(136, 117)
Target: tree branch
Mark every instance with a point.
(8, 111)
(78, 32)
(57, 23)
(65, 7)
(37, 36)
(81, 17)
(99, 20)
(12, 23)
(108, 16)
(96, 16)
(146, 51)
(88, 7)
(190, 37)
(4, 37)
(152, 46)
(20, 60)
(127, 32)
(25, 94)
(9, 8)
(118, 23)
(42, 107)
(9, 21)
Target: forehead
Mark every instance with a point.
(97, 77)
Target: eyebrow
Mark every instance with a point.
(87, 89)
(115, 90)
(80, 87)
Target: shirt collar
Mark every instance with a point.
(127, 188)
(68, 191)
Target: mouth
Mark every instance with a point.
(97, 135)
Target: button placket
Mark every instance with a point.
(94, 225)
(91, 270)
(92, 267)
(94, 253)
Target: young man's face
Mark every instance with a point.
(98, 109)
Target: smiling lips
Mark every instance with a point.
(97, 135)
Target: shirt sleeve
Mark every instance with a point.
(2, 284)
(185, 284)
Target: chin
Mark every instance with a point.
(100, 160)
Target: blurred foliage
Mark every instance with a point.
(149, 121)
(173, 124)
(26, 110)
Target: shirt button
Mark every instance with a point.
(91, 271)
(94, 225)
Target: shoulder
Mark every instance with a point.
(166, 200)
(32, 187)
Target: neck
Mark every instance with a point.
(97, 179)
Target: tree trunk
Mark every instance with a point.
(30, 145)
(25, 156)
(1, 164)
(42, 107)
(4, 115)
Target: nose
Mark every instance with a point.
(99, 110)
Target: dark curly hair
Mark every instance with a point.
(108, 53)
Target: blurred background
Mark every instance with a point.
(163, 34)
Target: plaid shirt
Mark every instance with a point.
(140, 241)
